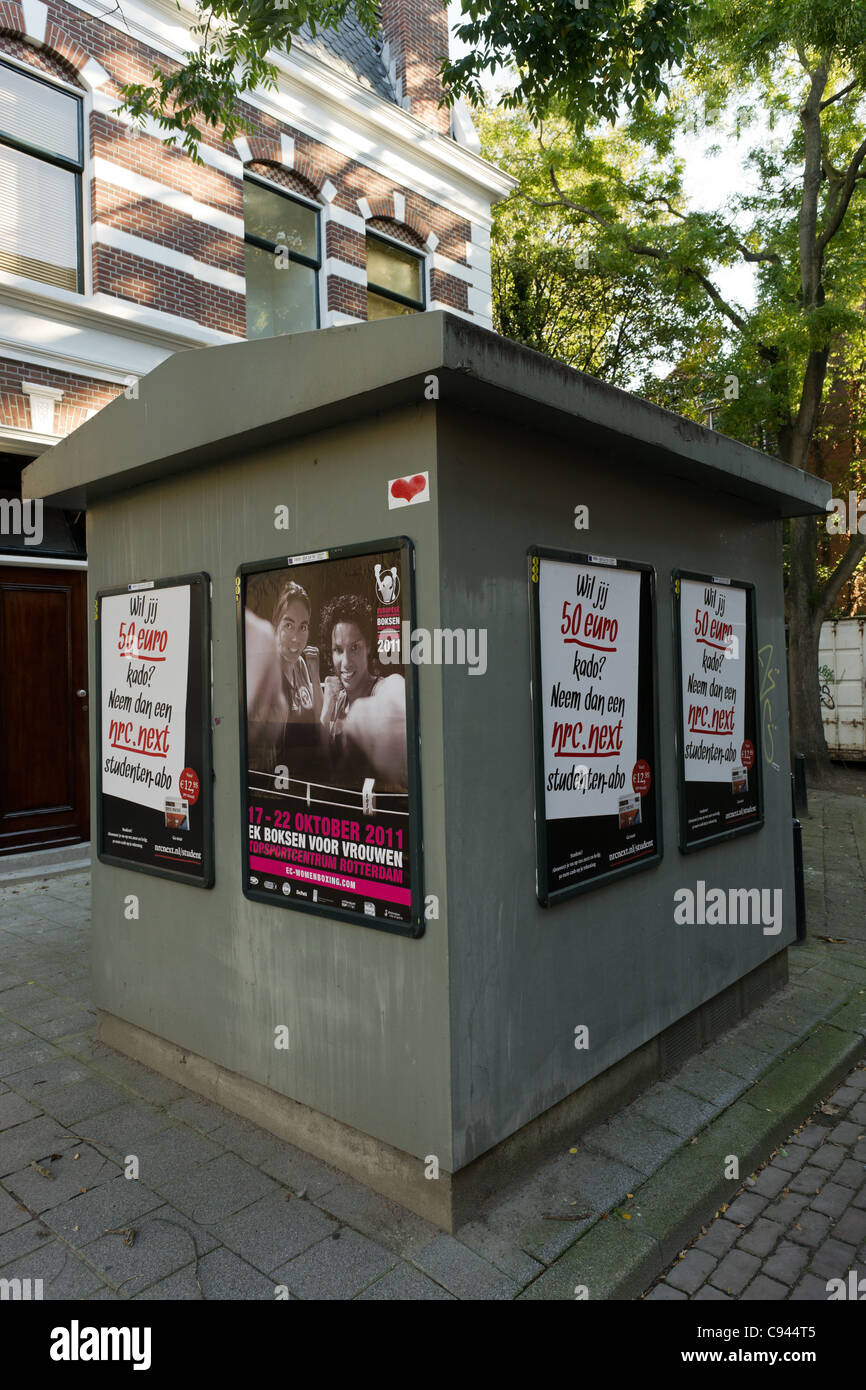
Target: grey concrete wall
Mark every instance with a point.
(523, 977)
(208, 970)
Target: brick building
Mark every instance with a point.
(117, 250)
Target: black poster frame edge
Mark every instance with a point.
(416, 928)
(207, 878)
(692, 846)
(541, 552)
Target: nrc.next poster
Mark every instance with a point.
(331, 812)
(594, 695)
(154, 696)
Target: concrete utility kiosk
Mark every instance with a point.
(440, 771)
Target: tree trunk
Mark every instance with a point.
(804, 631)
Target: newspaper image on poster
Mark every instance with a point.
(594, 701)
(719, 766)
(154, 810)
(331, 811)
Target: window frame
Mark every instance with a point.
(76, 168)
(394, 295)
(250, 239)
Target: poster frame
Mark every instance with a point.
(416, 926)
(686, 846)
(539, 552)
(207, 877)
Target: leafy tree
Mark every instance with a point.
(794, 76)
(591, 55)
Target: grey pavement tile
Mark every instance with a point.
(335, 1268)
(787, 1208)
(70, 1176)
(12, 1034)
(828, 1156)
(17, 1001)
(497, 1250)
(664, 1293)
(380, 1218)
(165, 1241)
(745, 1207)
(810, 1228)
(201, 1114)
(845, 1096)
(675, 1109)
(123, 1127)
(764, 1290)
(792, 1157)
(692, 1271)
(832, 1259)
(831, 1200)
(761, 1237)
(75, 1103)
(45, 1078)
(71, 1023)
(32, 1142)
(633, 1139)
(171, 1153)
(221, 1274)
(736, 1056)
(302, 1172)
(403, 1284)
(89, 1215)
(11, 1214)
(734, 1272)
(770, 1180)
(718, 1238)
(809, 1180)
(787, 1262)
(710, 1295)
(14, 1109)
(461, 1271)
(703, 1078)
(63, 1273)
(216, 1189)
(849, 1174)
(20, 1241)
(852, 1227)
(273, 1231)
(244, 1138)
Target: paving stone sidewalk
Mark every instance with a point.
(221, 1209)
(796, 1224)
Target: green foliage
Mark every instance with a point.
(232, 43)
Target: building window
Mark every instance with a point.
(283, 259)
(395, 279)
(41, 162)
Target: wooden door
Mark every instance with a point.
(44, 778)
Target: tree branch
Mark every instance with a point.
(838, 96)
(841, 198)
(841, 574)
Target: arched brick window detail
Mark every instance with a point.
(397, 219)
(46, 41)
(283, 177)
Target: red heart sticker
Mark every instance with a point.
(407, 488)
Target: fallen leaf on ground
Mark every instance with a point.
(45, 1172)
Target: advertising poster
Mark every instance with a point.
(594, 701)
(153, 666)
(720, 770)
(331, 809)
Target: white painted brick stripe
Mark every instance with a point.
(108, 106)
(120, 177)
(356, 273)
(164, 255)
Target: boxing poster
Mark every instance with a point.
(331, 798)
(720, 770)
(594, 702)
(154, 804)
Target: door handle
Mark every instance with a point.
(82, 694)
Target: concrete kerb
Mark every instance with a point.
(618, 1259)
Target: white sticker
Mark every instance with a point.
(402, 492)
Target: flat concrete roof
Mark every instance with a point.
(208, 404)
